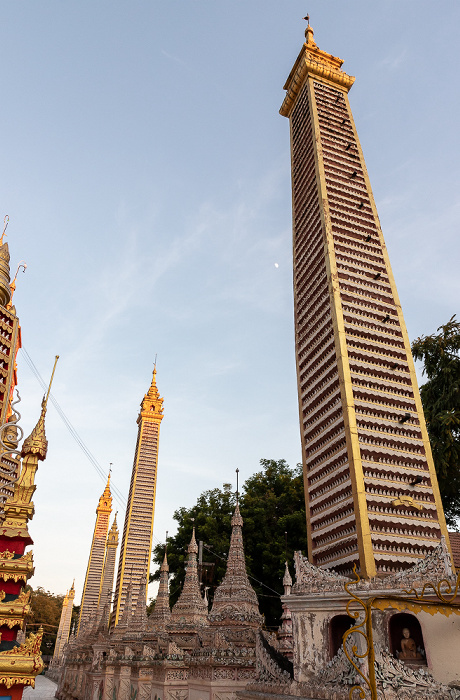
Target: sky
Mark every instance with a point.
(146, 175)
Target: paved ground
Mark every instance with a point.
(44, 689)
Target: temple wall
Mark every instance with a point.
(311, 618)
(442, 645)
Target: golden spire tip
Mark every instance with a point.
(45, 401)
(6, 221)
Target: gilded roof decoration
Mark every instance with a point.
(312, 61)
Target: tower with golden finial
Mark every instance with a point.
(94, 571)
(10, 342)
(372, 497)
(19, 665)
(136, 546)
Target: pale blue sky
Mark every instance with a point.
(146, 173)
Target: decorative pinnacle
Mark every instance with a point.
(287, 580)
(6, 221)
(37, 443)
(107, 493)
(237, 492)
(22, 264)
(237, 518)
(51, 381)
(193, 547)
(309, 32)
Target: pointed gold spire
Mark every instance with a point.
(105, 501)
(36, 443)
(5, 291)
(22, 265)
(152, 403)
(19, 508)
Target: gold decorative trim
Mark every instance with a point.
(441, 599)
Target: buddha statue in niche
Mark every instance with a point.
(408, 647)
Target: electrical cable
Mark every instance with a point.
(249, 575)
(92, 459)
(86, 451)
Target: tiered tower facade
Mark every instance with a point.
(64, 624)
(371, 491)
(106, 589)
(19, 665)
(10, 342)
(94, 572)
(136, 547)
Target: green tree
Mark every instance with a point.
(271, 503)
(441, 404)
(46, 610)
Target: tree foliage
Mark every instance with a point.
(441, 404)
(271, 503)
(46, 610)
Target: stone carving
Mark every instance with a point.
(225, 696)
(339, 671)
(391, 673)
(223, 673)
(235, 600)
(161, 614)
(190, 608)
(435, 566)
(311, 579)
(408, 647)
(177, 694)
(166, 652)
(176, 674)
(270, 668)
(139, 618)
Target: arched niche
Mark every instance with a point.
(396, 625)
(338, 625)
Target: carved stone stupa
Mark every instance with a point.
(235, 601)
(190, 609)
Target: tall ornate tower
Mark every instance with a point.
(64, 624)
(105, 593)
(93, 578)
(10, 342)
(371, 491)
(136, 546)
(19, 665)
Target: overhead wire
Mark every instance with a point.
(249, 575)
(89, 455)
(117, 494)
(121, 500)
